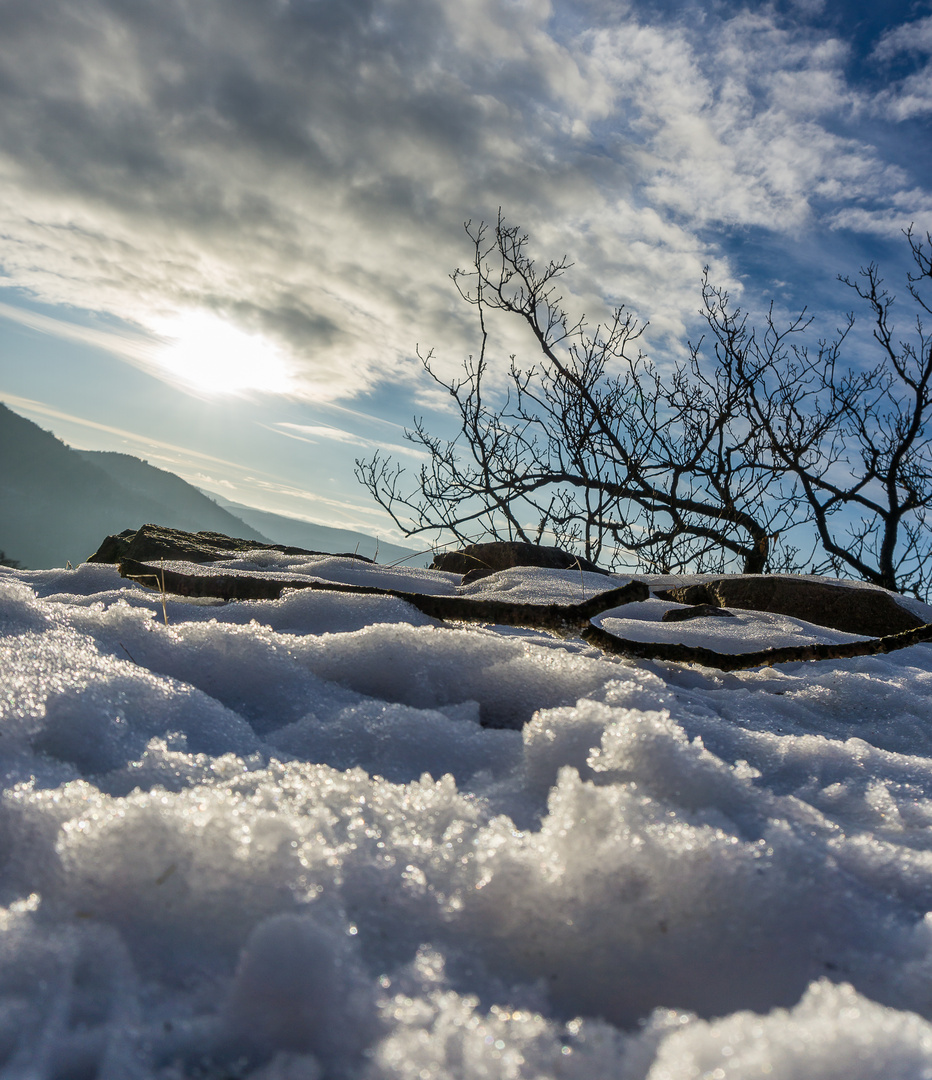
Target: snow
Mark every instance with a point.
(280, 840)
(742, 632)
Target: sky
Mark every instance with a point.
(227, 226)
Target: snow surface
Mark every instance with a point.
(273, 840)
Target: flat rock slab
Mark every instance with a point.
(157, 542)
(854, 610)
(699, 611)
(505, 554)
(562, 618)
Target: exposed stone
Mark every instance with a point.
(112, 547)
(852, 609)
(478, 574)
(157, 542)
(560, 618)
(504, 554)
(699, 611)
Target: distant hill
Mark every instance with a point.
(184, 501)
(57, 504)
(307, 534)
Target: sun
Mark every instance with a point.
(207, 354)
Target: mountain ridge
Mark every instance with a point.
(58, 503)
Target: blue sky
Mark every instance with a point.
(225, 225)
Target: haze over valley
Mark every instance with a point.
(57, 504)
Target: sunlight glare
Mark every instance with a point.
(202, 351)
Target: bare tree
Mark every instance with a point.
(720, 463)
(856, 443)
(590, 445)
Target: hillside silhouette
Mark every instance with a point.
(57, 503)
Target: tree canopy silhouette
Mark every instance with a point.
(717, 463)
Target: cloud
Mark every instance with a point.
(914, 37)
(315, 433)
(734, 130)
(908, 208)
(136, 348)
(911, 96)
(145, 444)
(302, 169)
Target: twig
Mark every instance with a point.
(158, 578)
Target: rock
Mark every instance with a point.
(157, 542)
(504, 554)
(700, 611)
(478, 574)
(852, 609)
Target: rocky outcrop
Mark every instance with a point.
(853, 609)
(563, 619)
(157, 542)
(477, 560)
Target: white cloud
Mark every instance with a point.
(301, 170)
(132, 440)
(136, 348)
(315, 433)
(912, 96)
(915, 36)
(908, 207)
(734, 131)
